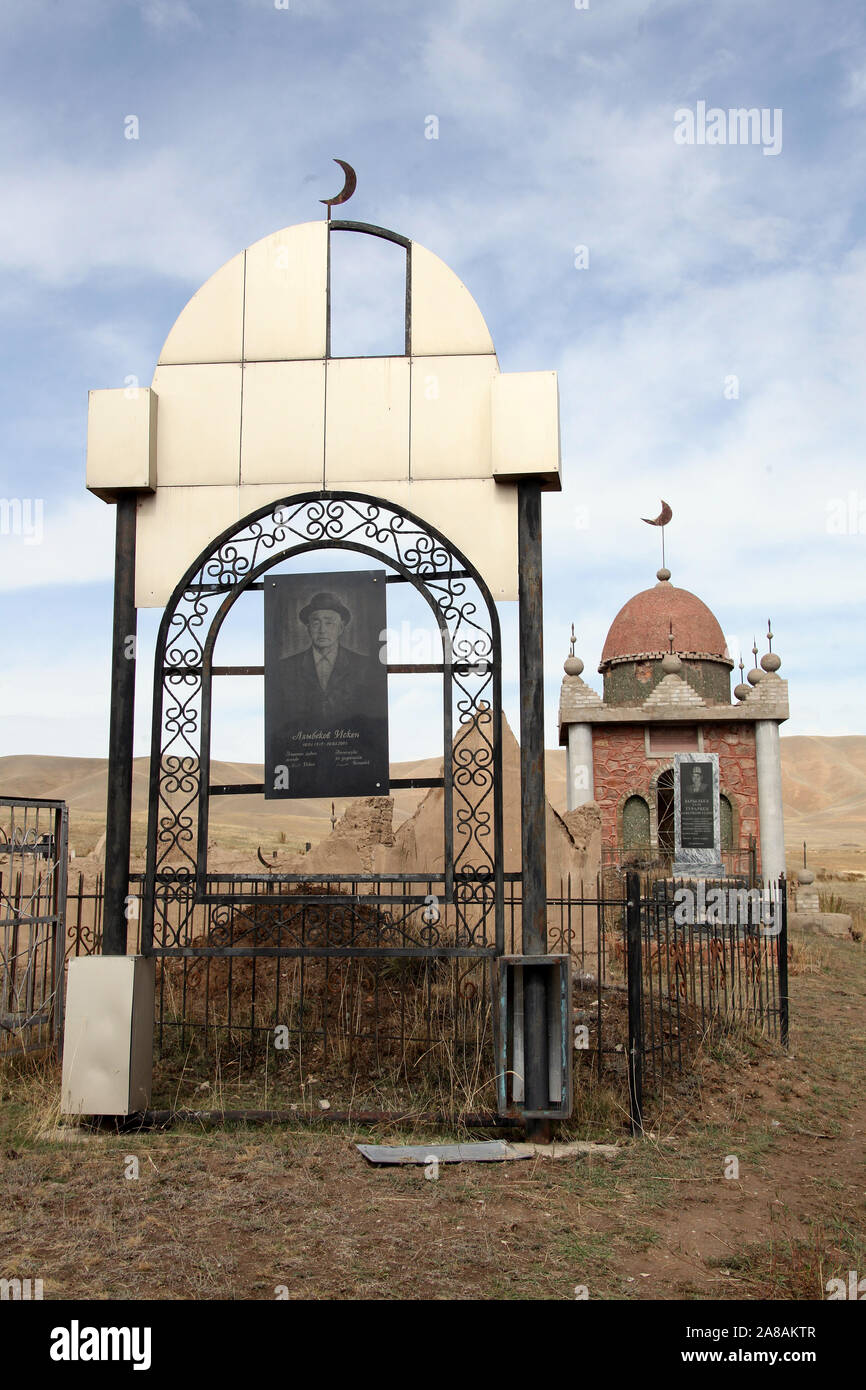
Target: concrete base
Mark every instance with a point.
(837, 924)
(108, 1038)
(693, 870)
(807, 900)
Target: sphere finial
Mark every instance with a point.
(573, 665)
(741, 690)
(770, 661)
(671, 664)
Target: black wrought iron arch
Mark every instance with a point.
(471, 669)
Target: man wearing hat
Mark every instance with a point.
(330, 683)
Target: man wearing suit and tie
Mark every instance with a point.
(330, 684)
(326, 710)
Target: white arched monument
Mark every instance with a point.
(247, 406)
(247, 409)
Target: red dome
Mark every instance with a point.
(642, 627)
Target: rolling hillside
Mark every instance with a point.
(823, 780)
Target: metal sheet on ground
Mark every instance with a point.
(491, 1151)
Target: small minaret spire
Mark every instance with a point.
(661, 520)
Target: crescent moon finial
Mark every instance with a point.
(345, 193)
(661, 520)
(663, 517)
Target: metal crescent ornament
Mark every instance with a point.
(663, 517)
(348, 188)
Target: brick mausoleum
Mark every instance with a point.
(667, 689)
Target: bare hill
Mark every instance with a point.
(237, 820)
(824, 791)
(823, 782)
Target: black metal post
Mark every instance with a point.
(782, 904)
(58, 908)
(533, 820)
(118, 812)
(634, 966)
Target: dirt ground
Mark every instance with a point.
(255, 1213)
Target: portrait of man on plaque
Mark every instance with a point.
(696, 804)
(699, 774)
(326, 690)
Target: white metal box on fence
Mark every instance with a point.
(108, 1040)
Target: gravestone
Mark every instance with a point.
(326, 687)
(697, 821)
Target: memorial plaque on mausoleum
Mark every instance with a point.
(697, 843)
(326, 689)
(696, 805)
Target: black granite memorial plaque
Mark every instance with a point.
(697, 822)
(326, 690)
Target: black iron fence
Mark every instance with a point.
(741, 863)
(701, 957)
(658, 967)
(33, 861)
(280, 975)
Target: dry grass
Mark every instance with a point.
(855, 909)
(235, 1212)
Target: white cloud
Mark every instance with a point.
(165, 15)
(148, 221)
(63, 542)
(556, 129)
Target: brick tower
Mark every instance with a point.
(666, 672)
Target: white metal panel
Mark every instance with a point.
(366, 420)
(525, 414)
(445, 317)
(199, 427)
(282, 436)
(478, 517)
(451, 416)
(173, 527)
(211, 326)
(121, 440)
(290, 410)
(177, 523)
(286, 294)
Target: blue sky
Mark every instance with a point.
(556, 130)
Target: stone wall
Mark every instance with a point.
(630, 682)
(738, 775)
(622, 769)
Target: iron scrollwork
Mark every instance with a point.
(472, 918)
